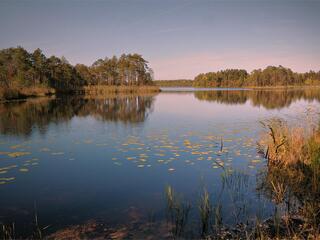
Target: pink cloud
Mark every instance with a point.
(188, 66)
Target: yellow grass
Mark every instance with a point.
(19, 93)
(102, 90)
(289, 145)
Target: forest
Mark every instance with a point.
(270, 76)
(20, 69)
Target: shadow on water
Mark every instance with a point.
(19, 118)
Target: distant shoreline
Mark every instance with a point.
(243, 87)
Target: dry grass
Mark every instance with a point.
(103, 90)
(20, 93)
(37, 91)
(293, 173)
(287, 145)
(99, 90)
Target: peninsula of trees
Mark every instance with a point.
(32, 73)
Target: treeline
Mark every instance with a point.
(174, 83)
(270, 76)
(20, 68)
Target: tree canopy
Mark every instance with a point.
(19, 68)
(270, 76)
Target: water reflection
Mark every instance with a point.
(19, 118)
(270, 99)
(92, 168)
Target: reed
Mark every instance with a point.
(177, 212)
(205, 211)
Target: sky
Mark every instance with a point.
(179, 38)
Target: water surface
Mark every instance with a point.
(110, 158)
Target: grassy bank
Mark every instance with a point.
(101, 90)
(7, 94)
(21, 93)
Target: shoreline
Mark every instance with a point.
(19, 94)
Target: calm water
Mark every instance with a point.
(110, 158)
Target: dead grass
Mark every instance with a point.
(287, 145)
(21, 93)
(292, 177)
(103, 90)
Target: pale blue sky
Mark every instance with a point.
(180, 38)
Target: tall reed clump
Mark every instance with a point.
(177, 212)
(284, 144)
(292, 177)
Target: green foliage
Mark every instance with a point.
(226, 78)
(270, 76)
(130, 69)
(21, 69)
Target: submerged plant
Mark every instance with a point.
(236, 185)
(177, 212)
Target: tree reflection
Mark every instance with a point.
(19, 118)
(270, 99)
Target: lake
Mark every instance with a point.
(110, 158)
